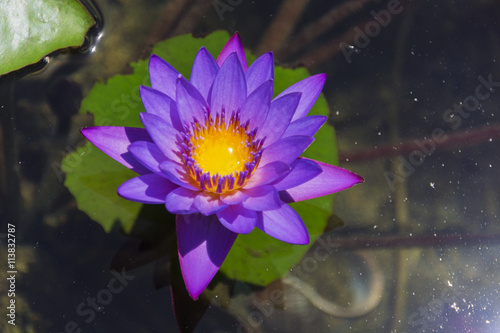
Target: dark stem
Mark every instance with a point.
(320, 26)
(463, 138)
(384, 242)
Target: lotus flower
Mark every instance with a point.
(223, 155)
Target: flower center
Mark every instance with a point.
(221, 157)
(221, 151)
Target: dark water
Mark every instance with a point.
(414, 89)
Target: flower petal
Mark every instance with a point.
(114, 142)
(303, 170)
(305, 126)
(284, 224)
(332, 179)
(203, 72)
(310, 89)
(256, 107)
(190, 103)
(238, 219)
(286, 150)
(260, 71)
(233, 45)
(162, 75)
(279, 117)
(180, 201)
(164, 135)
(149, 189)
(157, 103)
(234, 197)
(209, 203)
(229, 90)
(176, 173)
(203, 244)
(267, 174)
(148, 154)
(262, 198)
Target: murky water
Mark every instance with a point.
(414, 91)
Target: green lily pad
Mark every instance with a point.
(93, 177)
(32, 29)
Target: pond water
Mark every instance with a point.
(414, 93)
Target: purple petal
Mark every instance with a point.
(176, 173)
(203, 72)
(332, 179)
(180, 201)
(256, 107)
(279, 117)
(233, 45)
(267, 174)
(310, 89)
(284, 224)
(148, 154)
(260, 71)
(303, 170)
(305, 126)
(164, 135)
(209, 203)
(157, 103)
(149, 189)
(233, 197)
(262, 198)
(114, 142)
(238, 219)
(229, 90)
(190, 103)
(163, 76)
(203, 244)
(286, 150)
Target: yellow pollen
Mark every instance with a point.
(221, 151)
(220, 157)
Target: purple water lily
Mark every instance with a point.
(223, 155)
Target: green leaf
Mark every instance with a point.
(93, 177)
(32, 29)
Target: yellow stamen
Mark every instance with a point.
(221, 151)
(221, 157)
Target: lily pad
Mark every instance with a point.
(93, 177)
(29, 30)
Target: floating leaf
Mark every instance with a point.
(32, 29)
(93, 178)
(255, 258)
